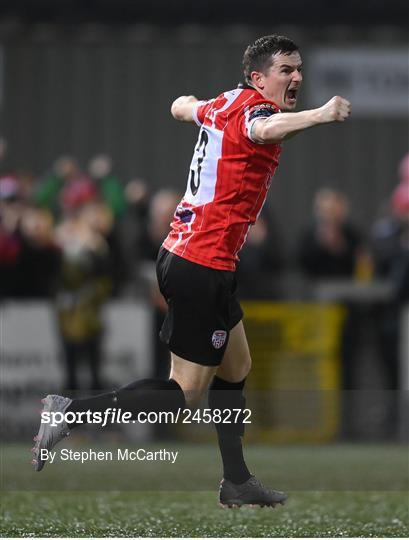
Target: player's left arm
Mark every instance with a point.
(282, 126)
(183, 108)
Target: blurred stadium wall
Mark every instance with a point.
(83, 79)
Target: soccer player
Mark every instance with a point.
(233, 163)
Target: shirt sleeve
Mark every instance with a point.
(200, 110)
(254, 113)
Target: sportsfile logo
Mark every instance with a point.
(117, 416)
(109, 416)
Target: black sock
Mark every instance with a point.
(145, 395)
(226, 395)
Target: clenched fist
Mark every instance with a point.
(337, 109)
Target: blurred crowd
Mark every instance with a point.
(75, 237)
(79, 236)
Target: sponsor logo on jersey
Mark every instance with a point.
(184, 214)
(262, 111)
(219, 338)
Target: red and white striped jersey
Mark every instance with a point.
(228, 180)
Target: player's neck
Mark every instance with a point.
(247, 86)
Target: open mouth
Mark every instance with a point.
(292, 94)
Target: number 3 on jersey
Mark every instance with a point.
(200, 152)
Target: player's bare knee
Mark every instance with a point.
(193, 398)
(235, 372)
(242, 371)
(194, 393)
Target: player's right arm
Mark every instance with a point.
(183, 108)
(279, 127)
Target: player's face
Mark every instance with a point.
(282, 81)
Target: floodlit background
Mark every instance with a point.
(92, 166)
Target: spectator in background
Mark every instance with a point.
(161, 210)
(110, 193)
(133, 226)
(389, 233)
(330, 247)
(138, 198)
(40, 262)
(110, 189)
(10, 243)
(27, 183)
(11, 210)
(3, 149)
(261, 262)
(390, 243)
(29, 257)
(47, 195)
(77, 192)
(98, 216)
(84, 287)
(83, 191)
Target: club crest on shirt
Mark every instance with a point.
(219, 338)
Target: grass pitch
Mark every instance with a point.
(369, 496)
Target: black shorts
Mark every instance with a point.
(202, 308)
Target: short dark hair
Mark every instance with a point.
(258, 55)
